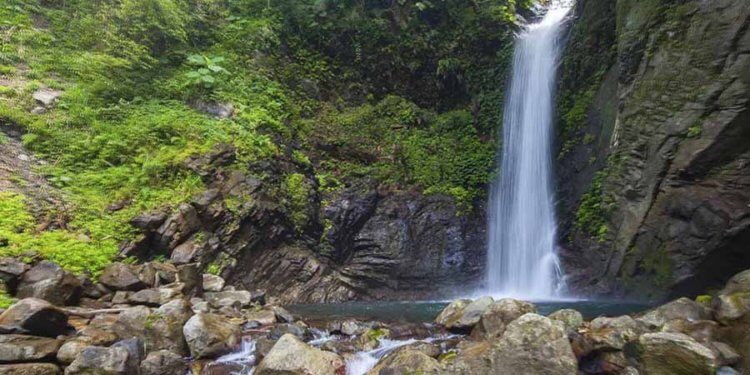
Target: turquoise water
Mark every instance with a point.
(417, 312)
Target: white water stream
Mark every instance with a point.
(521, 257)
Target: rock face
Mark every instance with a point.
(291, 356)
(665, 130)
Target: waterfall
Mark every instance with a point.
(521, 257)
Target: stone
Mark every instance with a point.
(262, 317)
(50, 282)
(667, 353)
(163, 362)
(239, 298)
(47, 97)
(727, 371)
(282, 315)
(102, 361)
(23, 348)
(700, 330)
(291, 356)
(571, 319)
(612, 333)
(190, 277)
(212, 283)
(149, 220)
(30, 369)
(471, 314)
(683, 308)
(160, 329)
(218, 110)
(121, 297)
(725, 355)
(532, 344)
(154, 296)
(11, 270)
(34, 316)
(286, 328)
(452, 313)
(135, 349)
(121, 276)
(186, 252)
(732, 307)
(499, 314)
(739, 283)
(406, 361)
(210, 335)
(71, 348)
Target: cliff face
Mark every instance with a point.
(667, 126)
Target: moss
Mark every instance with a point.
(213, 269)
(658, 264)
(595, 206)
(704, 300)
(694, 131)
(6, 300)
(298, 195)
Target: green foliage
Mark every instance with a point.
(213, 269)
(694, 131)
(591, 216)
(205, 70)
(72, 251)
(6, 300)
(298, 193)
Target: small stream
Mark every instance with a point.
(243, 360)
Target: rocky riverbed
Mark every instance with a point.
(158, 318)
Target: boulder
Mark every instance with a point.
(612, 333)
(282, 315)
(11, 270)
(47, 97)
(190, 277)
(260, 317)
(286, 328)
(571, 319)
(212, 283)
(531, 344)
(135, 349)
(700, 330)
(498, 315)
(739, 283)
(725, 354)
(23, 348)
(163, 362)
(452, 313)
(293, 357)
(34, 316)
(71, 348)
(731, 307)
(406, 361)
(160, 329)
(668, 353)
(30, 369)
(50, 282)
(683, 308)
(102, 361)
(154, 296)
(471, 314)
(210, 335)
(238, 298)
(121, 276)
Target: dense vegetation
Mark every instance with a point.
(404, 92)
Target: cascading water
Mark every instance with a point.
(522, 260)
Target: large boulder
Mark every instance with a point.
(212, 283)
(160, 329)
(210, 335)
(29, 369)
(683, 308)
(452, 313)
(667, 353)
(406, 361)
(71, 348)
(729, 308)
(50, 282)
(154, 296)
(102, 361)
(121, 276)
(34, 316)
(739, 283)
(531, 344)
(612, 333)
(163, 362)
(471, 314)
(498, 315)
(23, 348)
(571, 319)
(293, 357)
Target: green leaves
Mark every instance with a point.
(206, 70)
